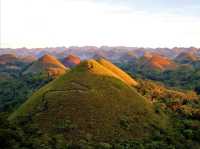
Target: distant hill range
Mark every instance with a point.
(158, 59)
(87, 52)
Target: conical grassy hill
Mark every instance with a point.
(71, 60)
(91, 102)
(47, 64)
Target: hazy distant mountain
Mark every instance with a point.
(87, 52)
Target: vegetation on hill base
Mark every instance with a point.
(27, 136)
(184, 103)
(185, 134)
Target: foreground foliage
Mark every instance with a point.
(185, 134)
(15, 90)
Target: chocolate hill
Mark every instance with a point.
(46, 64)
(94, 101)
(71, 60)
(158, 62)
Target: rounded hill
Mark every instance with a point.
(46, 64)
(158, 62)
(71, 60)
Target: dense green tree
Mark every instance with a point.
(14, 91)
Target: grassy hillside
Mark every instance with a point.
(91, 102)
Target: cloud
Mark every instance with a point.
(184, 7)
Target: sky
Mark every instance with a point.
(137, 23)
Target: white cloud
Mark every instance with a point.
(40, 23)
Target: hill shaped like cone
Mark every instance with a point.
(47, 64)
(158, 62)
(90, 101)
(120, 73)
(71, 60)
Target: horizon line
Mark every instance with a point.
(118, 46)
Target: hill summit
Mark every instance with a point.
(47, 64)
(91, 102)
